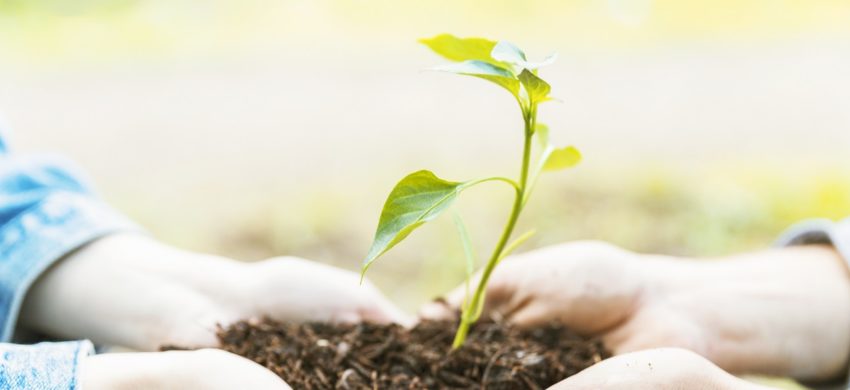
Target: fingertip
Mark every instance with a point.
(437, 310)
(388, 313)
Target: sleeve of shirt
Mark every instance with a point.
(820, 231)
(46, 211)
(43, 366)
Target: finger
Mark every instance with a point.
(447, 307)
(499, 291)
(377, 308)
(530, 314)
(384, 312)
(662, 368)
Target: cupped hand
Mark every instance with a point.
(132, 291)
(779, 312)
(209, 369)
(655, 369)
(591, 287)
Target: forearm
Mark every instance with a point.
(784, 311)
(130, 290)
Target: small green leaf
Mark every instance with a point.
(416, 199)
(536, 88)
(561, 158)
(484, 70)
(505, 51)
(461, 49)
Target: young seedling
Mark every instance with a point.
(422, 196)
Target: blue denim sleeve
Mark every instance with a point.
(43, 366)
(46, 211)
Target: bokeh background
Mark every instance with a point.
(260, 128)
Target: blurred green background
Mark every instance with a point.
(263, 128)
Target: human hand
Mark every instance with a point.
(202, 369)
(132, 291)
(781, 312)
(655, 369)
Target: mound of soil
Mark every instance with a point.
(369, 356)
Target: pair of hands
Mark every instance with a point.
(780, 312)
(131, 291)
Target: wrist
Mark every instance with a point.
(130, 290)
(781, 312)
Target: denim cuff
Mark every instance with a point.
(44, 233)
(42, 366)
(820, 231)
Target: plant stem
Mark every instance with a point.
(469, 316)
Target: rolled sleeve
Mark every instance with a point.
(43, 366)
(820, 231)
(42, 234)
(47, 210)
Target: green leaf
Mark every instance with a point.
(505, 51)
(416, 199)
(546, 61)
(551, 158)
(561, 158)
(484, 70)
(461, 49)
(469, 255)
(537, 89)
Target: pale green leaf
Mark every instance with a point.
(546, 61)
(508, 53)
(461, 49)
(561, 158)
(537, 89)
(505, 51)
(484, 70)
(416, 199)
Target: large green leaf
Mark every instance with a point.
(461, 49)
(484, 70)
(416, 199)
(537, 89)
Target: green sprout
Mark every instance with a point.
(422, 196)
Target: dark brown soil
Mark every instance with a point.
(369, 356)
